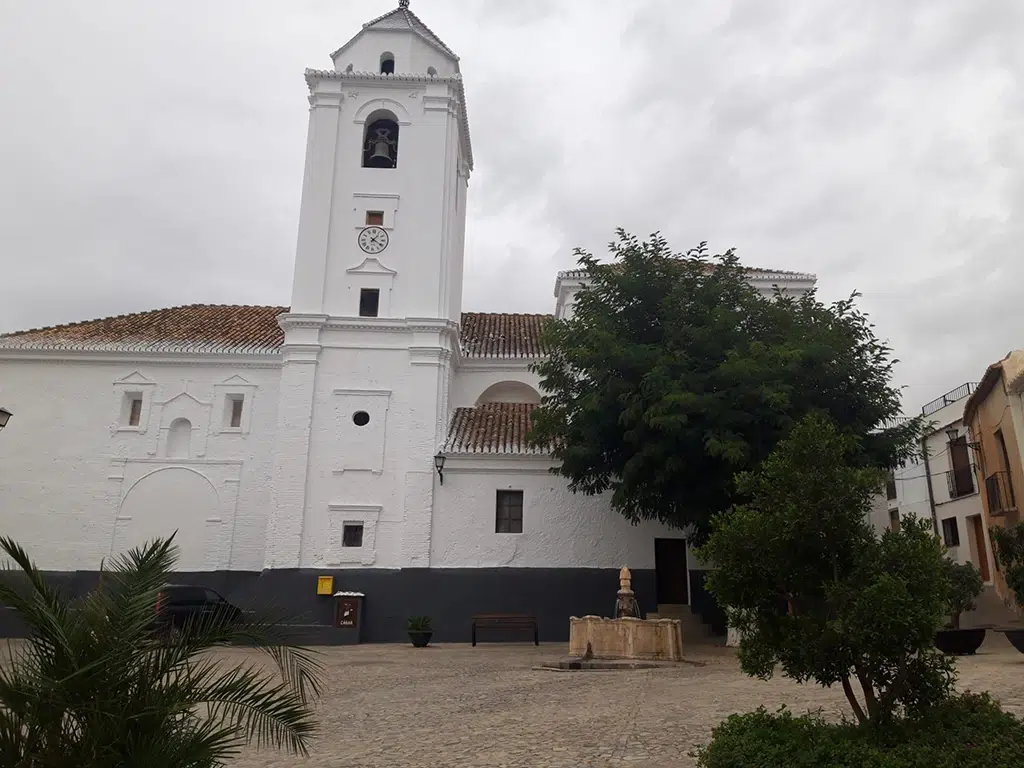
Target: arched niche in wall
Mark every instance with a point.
(179, 439)
(509, 392)
(162, 502)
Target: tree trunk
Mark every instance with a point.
(870, 700)
(852, 698)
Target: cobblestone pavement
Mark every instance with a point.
(453, 706)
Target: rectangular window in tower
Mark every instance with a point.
(352, 535)
(369, 302)
(375, 218)
(509, 514)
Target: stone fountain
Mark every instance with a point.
(627, 636)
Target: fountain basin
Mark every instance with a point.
(626, 638)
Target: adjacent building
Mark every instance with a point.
(994, 415)
(940, 484)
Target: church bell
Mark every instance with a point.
(380, 156)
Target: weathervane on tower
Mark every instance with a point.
(403, 3)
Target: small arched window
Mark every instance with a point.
(431, 71)
(380, 141)
(387, 63)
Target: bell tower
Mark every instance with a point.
(388, 159)
(372, 333)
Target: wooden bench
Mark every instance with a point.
(513, 621)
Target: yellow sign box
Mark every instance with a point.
(325, 585)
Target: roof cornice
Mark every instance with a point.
(110, 354)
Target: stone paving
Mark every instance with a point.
(453, 706)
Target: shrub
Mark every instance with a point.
(814, 592)
(967, 731)
(1010, 552)
(420, 624)
(965, 585)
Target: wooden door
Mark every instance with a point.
(670, 574)
(981, 549)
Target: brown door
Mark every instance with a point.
(670, 574)
(979, 544)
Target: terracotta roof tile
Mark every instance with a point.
(502, 335)
(191, 328)
(496, 428)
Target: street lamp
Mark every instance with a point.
(439, 466)
(5, 416)
(952, 433)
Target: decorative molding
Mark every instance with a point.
(135, 378)
(233, 385)
(429, 355)
(319, 99)
(183, 394)
(371, 266)
(504, 364)
(371, 392)
(382, 102)
(301, 320)
(338, 515)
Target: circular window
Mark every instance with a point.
(360, 418)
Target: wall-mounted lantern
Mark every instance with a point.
(439, 466)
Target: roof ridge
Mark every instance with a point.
(123, 315)
(565, 273)
(416, 25)
(510, 314)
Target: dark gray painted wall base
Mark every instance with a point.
(449, 596)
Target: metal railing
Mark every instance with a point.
(960, 482)
(999, 490)
(964, 390)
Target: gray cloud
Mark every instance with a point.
(152, 153)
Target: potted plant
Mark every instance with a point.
(420, 631)
(1009, 546)
(965, 585)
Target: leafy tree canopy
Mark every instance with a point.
(674, 374)
(812, 589)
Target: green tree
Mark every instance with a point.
(813, 590)
(95, 686)
(1009, 543)
(965, 586)
(674, 374)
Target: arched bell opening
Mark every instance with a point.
(380, 141)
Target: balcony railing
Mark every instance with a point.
(999, 490)
(964, 390)
(960, 482)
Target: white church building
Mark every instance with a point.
(372, 431)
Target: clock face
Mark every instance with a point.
(373, 239)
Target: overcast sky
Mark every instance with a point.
(151, 152)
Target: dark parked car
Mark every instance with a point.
(178, 604)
